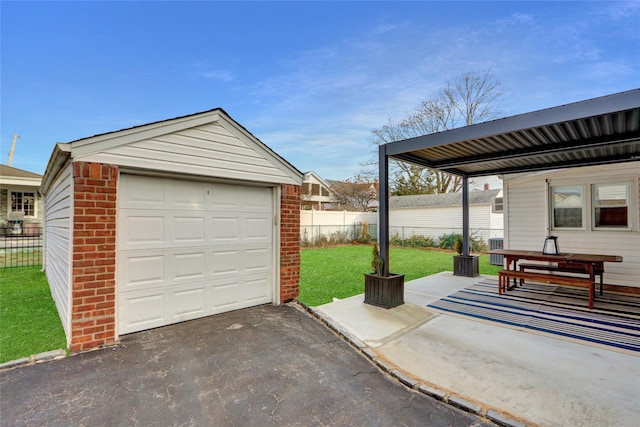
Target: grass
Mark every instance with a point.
(29, 322)
(338, 272)
(15, 257)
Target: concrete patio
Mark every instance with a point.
(536, 379)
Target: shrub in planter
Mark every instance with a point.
(379, 290)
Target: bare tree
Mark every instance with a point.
(355, 193)
(471, 97)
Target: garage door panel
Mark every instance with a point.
(144, 270)
(189, 266)
(141, 192)
(226, 262)
(225, 197)
(225, 229)
(191, 250)
(223, 296)
(190, 303)
(138, 312)
(254, 289)
(257, 228)
(188, 195)
(189, 229)
(257, 260)
(257, 199)
(143, 229)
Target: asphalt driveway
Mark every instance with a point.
(260, 366)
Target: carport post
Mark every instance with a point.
(465, 216)
(383, 207)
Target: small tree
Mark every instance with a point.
(355, 193)
(377, 262)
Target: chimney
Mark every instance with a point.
(486, 186)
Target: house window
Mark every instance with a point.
(610, 205)
(567, 207)
(23, 202)
(498, 205)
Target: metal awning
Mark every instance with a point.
(597, 131)
(592, 132)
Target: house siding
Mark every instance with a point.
(526, 216)
(57, 249)
(527, 223)
(210, 150)
(434, 222)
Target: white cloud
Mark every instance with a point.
(221, 75)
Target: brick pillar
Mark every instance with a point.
(94, 256)
(289, 242)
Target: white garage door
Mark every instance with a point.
(190, 249)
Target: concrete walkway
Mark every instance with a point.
(536, 379)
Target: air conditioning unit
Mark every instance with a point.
(496, 243)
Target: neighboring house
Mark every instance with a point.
(592, 209)
(358, 195)
(166, 222)
(433, 215)
(20, 204)
(315, 193)
(330, 195)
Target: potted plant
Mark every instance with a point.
(464, 265)
(382, 291)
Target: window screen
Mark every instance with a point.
(568, 207)
(610, 205)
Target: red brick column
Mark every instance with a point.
(289, 242)
(94, 256)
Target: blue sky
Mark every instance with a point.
(309, 79)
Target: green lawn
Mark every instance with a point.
(29, 322)
(338, 272)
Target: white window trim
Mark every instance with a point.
(552, 206)
(588, 207)
(35, 202)
(631, 213)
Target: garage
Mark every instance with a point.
(167, 222)
(188, 249)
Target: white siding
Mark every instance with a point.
(527, 220)
(210, 150)
(525, 214)
(57, 257)
(434, 222)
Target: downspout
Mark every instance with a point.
(383, 208)
(465, 216)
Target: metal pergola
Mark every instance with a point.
(596, 131)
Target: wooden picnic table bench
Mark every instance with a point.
(564, 268)
(588, 264)
(504, 276)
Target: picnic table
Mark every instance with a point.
(581, 268)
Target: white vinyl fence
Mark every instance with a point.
(317, 227)
(324, 227)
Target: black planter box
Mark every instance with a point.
(466, 266)
(384, 291)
